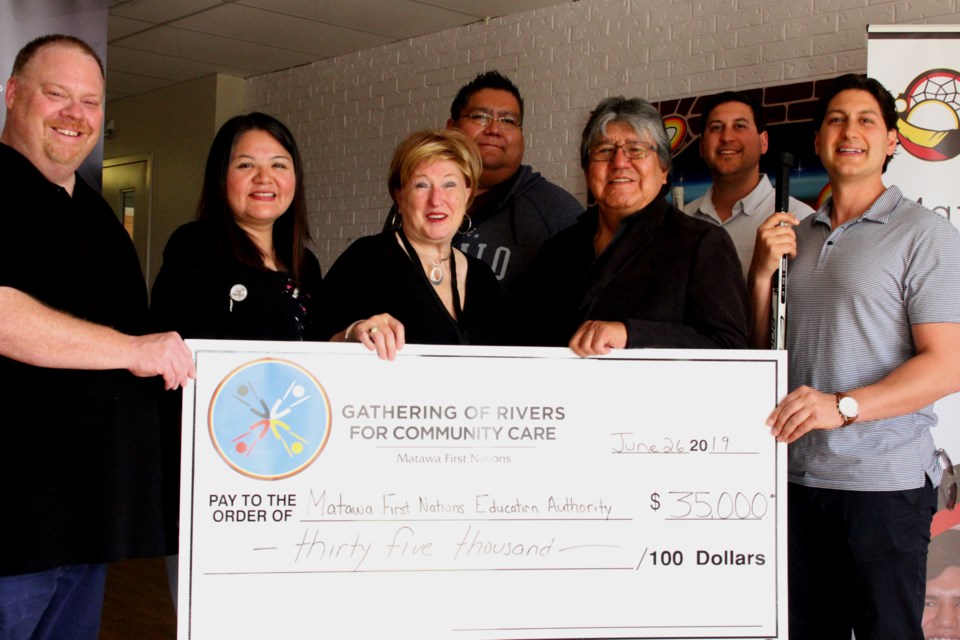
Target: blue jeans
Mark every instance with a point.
(60, 604)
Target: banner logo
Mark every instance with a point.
(269, 419)
(929, 115)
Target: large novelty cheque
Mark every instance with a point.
(468, 493)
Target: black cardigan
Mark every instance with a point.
(675, 282)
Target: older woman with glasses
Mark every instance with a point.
(635, 271)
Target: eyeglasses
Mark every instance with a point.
(948, 487)
(633, 151)
(485, 120)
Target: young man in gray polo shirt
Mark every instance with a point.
(873, 335)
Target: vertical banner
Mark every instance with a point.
(920, 66)
(23, 20)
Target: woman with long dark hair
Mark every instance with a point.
(242, 270)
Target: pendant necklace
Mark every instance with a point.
(435, 277)
(436, 274)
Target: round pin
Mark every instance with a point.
(238, 292)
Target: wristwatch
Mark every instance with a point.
(848, 407)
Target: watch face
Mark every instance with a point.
(848, 407)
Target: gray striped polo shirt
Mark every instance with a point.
(853, 294)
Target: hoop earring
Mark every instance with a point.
(397, 223)
(469, 222)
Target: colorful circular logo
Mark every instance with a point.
(269, 419)
(928, 111)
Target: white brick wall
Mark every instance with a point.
(348, 113)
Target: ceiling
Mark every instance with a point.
(156, 43)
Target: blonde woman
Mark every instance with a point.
(409, 284)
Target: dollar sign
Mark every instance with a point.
(654, 500)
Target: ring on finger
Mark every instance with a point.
(373, 330)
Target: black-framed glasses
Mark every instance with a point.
(948, 483)
(633, 151)
(482, 119)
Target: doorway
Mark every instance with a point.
(126, 186)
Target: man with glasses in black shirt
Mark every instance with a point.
(516, 209)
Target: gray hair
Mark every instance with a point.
(638, 114)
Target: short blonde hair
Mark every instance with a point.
(433, 145)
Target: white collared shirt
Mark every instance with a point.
(748, 214)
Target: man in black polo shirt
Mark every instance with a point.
(84, 467)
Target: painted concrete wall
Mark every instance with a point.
(349, 112)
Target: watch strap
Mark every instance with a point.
(847, 420)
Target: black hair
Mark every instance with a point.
(888, 106)
(291, 232)
(486, 80)
(712, 102)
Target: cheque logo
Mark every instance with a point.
(269, 419)
(928, 113)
